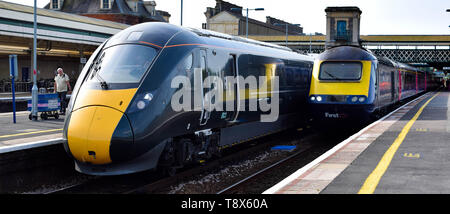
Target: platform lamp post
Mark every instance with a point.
(448, 10)
(34, 90)
(310, 42)
(246, 18)
(287, 30)
(181, 22)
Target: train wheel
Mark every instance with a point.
(170, 171)
(31, 117)
(167, 158)
(177, 153)
(44, 116)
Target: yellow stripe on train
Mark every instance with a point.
(360, 87)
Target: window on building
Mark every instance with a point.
(106, 4)
(341, 29)
(55, 4)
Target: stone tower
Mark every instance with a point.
(343, 26)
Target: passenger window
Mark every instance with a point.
(203, 65)
(188, 62)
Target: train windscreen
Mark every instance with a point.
(122, 64)
(340, 71)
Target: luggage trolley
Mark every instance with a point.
(48, 105)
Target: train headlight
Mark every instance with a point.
(141, 102)
(319, 98)
(148, 96)
(354, 99)
(313, 98)
(362, 99)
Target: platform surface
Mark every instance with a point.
(405, 152)
(26, 134)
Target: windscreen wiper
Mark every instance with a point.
(97, 67)
(103, 83)
(331, 75)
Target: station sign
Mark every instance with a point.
(13, 70)
(13, 73)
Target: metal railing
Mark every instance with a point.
(5, 85)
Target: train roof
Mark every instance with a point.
(208, 33)
(407, 67)
(157, 34)
(359, 53)
(346, 53)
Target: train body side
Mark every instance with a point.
(126, 128)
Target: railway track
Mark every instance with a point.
(153, 182)
(309, 147)
(233, 158)
(230, 188)
(265, 178)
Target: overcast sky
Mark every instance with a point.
(378, 16)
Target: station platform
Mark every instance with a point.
(26, 134)
(407, 151)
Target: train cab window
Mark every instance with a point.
(122, 64)
(340, 71)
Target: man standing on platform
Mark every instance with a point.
(61, 86)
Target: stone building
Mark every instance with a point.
(343, 26)
(129, 12)
(223, 19)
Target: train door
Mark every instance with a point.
(417, 82)
(206, 107)
(400, 84)
(377, 85)
(231, 89)
(393, 86)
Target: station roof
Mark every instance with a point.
(58, 33)
(60, 15)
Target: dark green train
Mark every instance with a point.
(152, 94)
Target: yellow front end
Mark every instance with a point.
(93, 121)
(360, 87)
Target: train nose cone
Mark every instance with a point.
(91, 131)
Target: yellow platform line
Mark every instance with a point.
(374, 178)
(28, 133)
